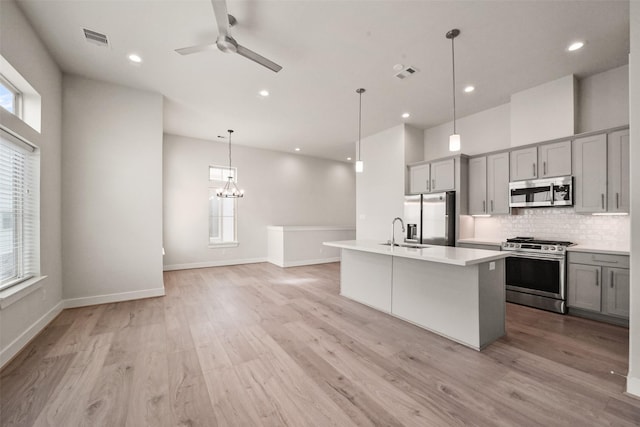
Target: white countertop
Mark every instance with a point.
(601, 248)
(481, 241)
(432, 253)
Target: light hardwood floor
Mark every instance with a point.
(255, 345)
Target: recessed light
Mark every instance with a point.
(406, 115)
(469, 89)
(135, 58)
(297, 148)
(348, 158)
(264, 92)
(575, 46)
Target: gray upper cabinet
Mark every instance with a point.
(419, 179)
(489, 185)
(498, 184)
(618, 171)
(554, 159)
(432, 177)
(443, 176)
(590, 173)
(524, 164)
(478, 186)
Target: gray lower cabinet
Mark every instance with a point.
(599, 284)
(616, 283)
(583, 290)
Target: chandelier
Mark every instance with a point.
(230, 190)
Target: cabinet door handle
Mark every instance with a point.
(484, 206)
(492, 206)
(544, 168)
(597, 278)
(617, 200)
(534, 169)
(611, 281)
(428, 185)
(602, 200)
(433, 184)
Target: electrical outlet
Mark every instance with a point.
(492, 265)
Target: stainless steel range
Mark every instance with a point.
(536, 273)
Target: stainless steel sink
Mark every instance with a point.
(406, 245)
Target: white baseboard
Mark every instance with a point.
(310, 262)
(19, 343)
(105, 299)
(171, 267)
(633, 386)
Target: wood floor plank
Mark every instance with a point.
(259, 345)
(230, 400)
(149, 403)
(108, 401)
(75, 338)
(69, 400)
(23, 396)
(189, 400)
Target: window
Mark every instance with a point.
(19, 212)
(10, 97)
(222, 211)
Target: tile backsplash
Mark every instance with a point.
(556, 223)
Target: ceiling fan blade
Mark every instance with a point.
(222, 16)
(196, 49)
(249, 54)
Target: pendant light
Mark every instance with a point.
(230, 189)
(359, 164)
(454, 139)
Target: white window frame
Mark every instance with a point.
(26, 201)
(17, 95)
(225, 172)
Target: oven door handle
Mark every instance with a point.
(549, 257)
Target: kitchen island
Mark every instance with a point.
(457, 293)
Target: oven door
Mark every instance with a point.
(536, 274)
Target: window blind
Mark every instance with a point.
(19, 213)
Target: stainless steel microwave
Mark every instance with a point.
(541, 192)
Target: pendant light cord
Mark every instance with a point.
(230, 132)
(453, 66)
(359, 125)
(360, 92)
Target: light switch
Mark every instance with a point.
(492, 265)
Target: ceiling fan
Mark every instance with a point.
(225, 42)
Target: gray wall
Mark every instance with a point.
(603, 102)
(20, 321)
(380, 188)
(280, 189)
(112, 192)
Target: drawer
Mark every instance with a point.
(620, 261)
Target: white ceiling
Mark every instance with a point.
(329, 49)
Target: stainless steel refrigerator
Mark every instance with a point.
(431, 218)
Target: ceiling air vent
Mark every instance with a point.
(407, 72)
(95, 37)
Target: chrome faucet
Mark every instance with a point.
(393, 229)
